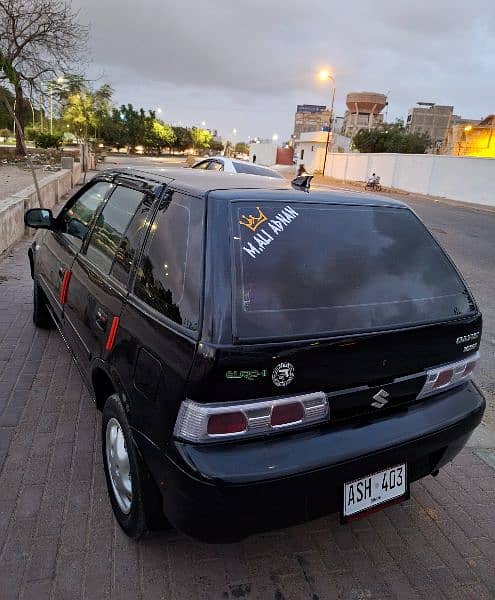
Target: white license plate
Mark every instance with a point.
(373, 490)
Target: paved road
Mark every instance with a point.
(58, 538)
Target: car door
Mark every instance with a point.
(160, 320)
(98, 282)
(56, 253)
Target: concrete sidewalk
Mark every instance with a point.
(58, 538)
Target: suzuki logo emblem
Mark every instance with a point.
(380, 399)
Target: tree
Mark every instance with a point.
(113, 131)
(201, 138)
(393, 137)
(183, 138)
(38, 38)
(242, 148)
(216, 146)
(85, 110)
(158, 135)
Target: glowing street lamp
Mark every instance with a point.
(275, 137)
(203, 123)
(159, 110)
(324, 75)
(468, 128)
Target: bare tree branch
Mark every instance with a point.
(40, 38)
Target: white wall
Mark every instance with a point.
(266, 153)
(454, 177)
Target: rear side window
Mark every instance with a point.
(306, 269)
(169, 277)
(251, 169)
(77, 218)
(111, 225)
(131, 241)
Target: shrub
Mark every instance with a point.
(47, 140)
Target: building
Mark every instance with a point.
(472, 138)
(364, 111)
(433, 119)
(310, 148)
(310, 117)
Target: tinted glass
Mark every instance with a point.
(202, 165)
(170, 272)
(215, 166)
(251, 169)
(111, 225)
(310, 269)
(76, 219)
(131, 242)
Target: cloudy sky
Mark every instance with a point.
(246, 64)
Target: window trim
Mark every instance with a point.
(141, 304)
(253, 340)
(70, 204)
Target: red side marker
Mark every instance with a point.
(64, 288)
(112, 333)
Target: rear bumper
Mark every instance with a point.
(226, 492)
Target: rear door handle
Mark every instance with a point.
(101, 319)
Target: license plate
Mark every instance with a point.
(370, 491)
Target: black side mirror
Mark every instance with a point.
(303, 182)
(39, 218)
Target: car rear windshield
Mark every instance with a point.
(305, 270)
(251, 169)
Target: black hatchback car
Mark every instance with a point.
(262, 356)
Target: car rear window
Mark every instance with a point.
(304, 270)
(251, 169)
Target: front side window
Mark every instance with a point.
(75, 220)
(170, 271)
(307, 269)
(111, 225)
(215, 166)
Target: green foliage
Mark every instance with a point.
(183, 138)
(158, 135)
(46, 140)
(216, 146)
(30, 133)
(5, 133)
(84, 111)
(201, 138)
(392, 138)
(242, 148)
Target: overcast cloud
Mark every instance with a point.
(245, 64)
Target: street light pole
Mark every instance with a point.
(330, 123)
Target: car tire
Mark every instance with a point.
(135, 498)
(41, 316)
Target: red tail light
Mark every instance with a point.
(444, 378)
(448, 376)
(283, 414)
(198, 422)
(226, 423)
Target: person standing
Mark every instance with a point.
(254, 158)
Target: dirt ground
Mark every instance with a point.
(13, 179)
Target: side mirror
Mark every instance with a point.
(303, 182)
(39, 218)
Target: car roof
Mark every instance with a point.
(240, 186)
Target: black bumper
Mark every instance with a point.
(226, 492)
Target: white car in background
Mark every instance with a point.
(230, 165)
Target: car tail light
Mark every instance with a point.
(212, 422)
(448, 376)
(226, 423)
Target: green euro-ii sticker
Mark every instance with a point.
(250, 375)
